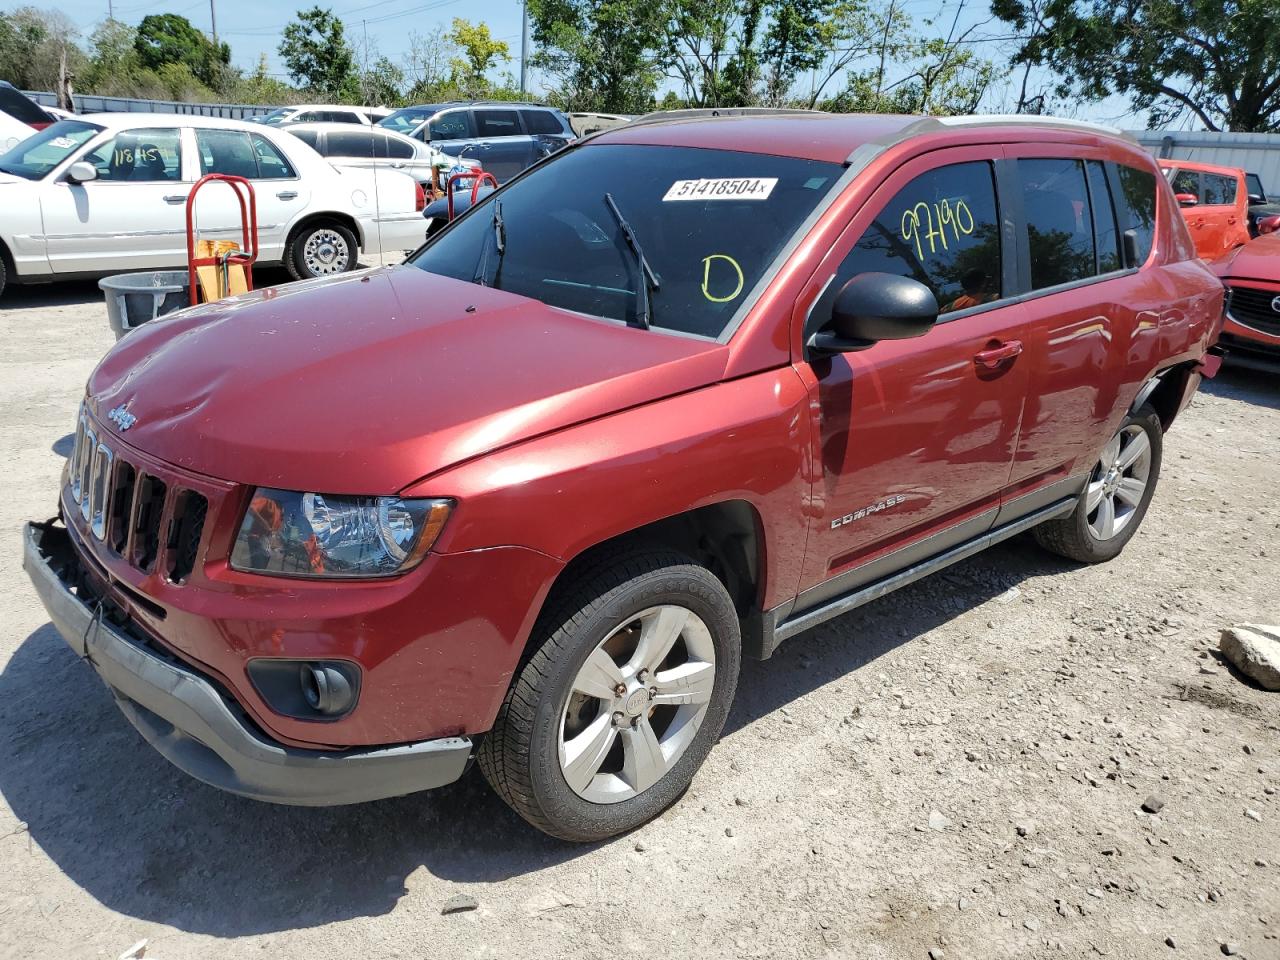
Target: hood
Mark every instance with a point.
(1259, 259)
(364, 383)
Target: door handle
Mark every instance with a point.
(287, 195)
(991, 358)
(176, 198)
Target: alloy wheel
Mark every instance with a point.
(636, 704)
(1118, 482)
(326, 252)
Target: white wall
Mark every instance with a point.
(1255, 152)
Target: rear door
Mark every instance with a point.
(914, 438)
(1225, 204)
(505, 148)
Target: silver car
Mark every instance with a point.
(349, 146)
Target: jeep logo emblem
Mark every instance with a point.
(122, 418)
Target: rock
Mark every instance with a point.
(641, 847)
(937, 954)
(136, 952)
(1170, 943)
(1031, 924)
(937, 821)
(1255, 651)
(728, 831)
(1152, 804)
(459, 903)
(1252, 814)
(1025, 829)
(1230, 949)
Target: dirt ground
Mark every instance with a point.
(958, 768)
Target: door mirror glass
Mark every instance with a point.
(873, 307)
(1257, 198)
(1186, 199)
(82, 171)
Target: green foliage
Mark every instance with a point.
(478, 53)
(602, 55)
(32, 42)
(167, 40)
(1217, 59)
(317, 56)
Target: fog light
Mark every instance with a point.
(307, 689)
(325, 688)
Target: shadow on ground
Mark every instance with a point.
(1251, 386)
(149, 842)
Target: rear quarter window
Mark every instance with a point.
(541, 121)
(1219, 190)
(1136, 207)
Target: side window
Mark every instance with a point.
(395, 149)
(1136, 207)
(450, 126)
(941, 229)
(1055, 204)
(308, 116)
(541, 121)
(1219, 190)
(309, 137)
(1104, 218)
(140, 156)
(1186, 181)
(344, 116)
(353, 144)
(497, 123)
(236, 153)
(272, 164)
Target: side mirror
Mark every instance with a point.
(82, 171)
(1186, 199)
(873, 307)
(1257, 198)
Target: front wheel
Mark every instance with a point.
(628, 689)
(321, 250)
(1114, 501)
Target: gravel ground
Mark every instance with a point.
(957, 769)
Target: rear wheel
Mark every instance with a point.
(321, 250)
(4, 275)
(627, 691)
(1114, 501)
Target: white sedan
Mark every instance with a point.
(368, 147)
(106, 193)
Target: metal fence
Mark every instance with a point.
(88, 103)
(1254, 152)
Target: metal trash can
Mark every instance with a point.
(135, 298)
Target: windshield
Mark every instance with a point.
(36, 157)
(709, 223)
(408, 119)
(276, 117)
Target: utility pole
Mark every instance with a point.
(111, 10)
(213, 22)
(364, 66)
(524, 53)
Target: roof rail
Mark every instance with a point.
(706, 113)
(1013, 119)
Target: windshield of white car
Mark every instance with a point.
(408, 119)
(710, 223)
(278, 116)
(37, 156)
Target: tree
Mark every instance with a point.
(316, 54)
(1216, 59)
(167, 38)
(603, 56)
(32, 45)
(426, 64)
(479, 54)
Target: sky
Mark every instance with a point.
(253, 28)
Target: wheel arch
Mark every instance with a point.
(1166, 392)
(311, 219)
(726, 537)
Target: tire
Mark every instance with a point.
(618, 612)
(4, 275)
(1125, 491)
(321, 249)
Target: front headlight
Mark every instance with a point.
(320, 535)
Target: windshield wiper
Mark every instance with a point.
(499, 243)
(648, 279)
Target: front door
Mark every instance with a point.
(506, 148)
(131, 217)
(914, 439)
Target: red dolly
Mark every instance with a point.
(248, 252)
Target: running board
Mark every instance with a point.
(874, 591)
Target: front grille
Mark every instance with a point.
(137, 515)
(1254, 308)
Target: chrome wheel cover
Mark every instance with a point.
(636, 704)
(1118, 483)
(326, 252)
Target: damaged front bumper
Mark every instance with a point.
(201, 731)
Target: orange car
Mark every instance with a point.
(1215, 203)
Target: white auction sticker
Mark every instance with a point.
(727, 188)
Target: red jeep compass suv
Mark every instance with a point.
(674, 395)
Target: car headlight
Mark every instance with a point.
(322, 535)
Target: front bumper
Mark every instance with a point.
(202, 732)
